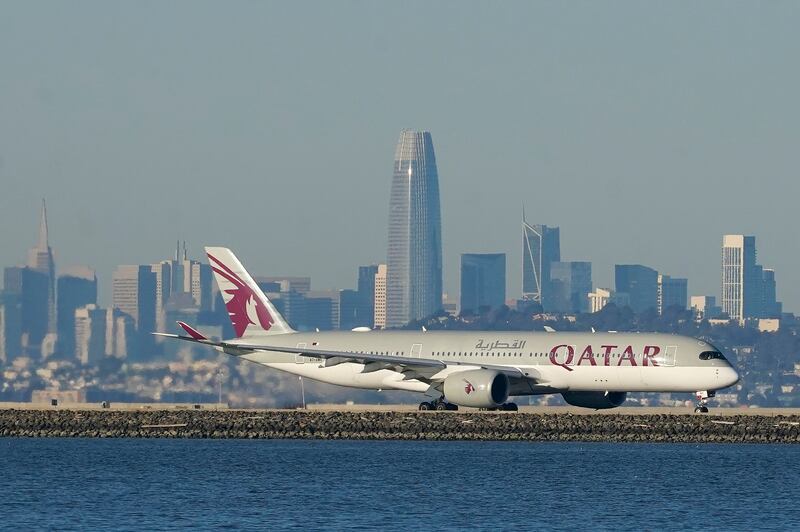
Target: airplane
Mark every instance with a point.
(464, 368)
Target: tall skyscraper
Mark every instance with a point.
(134, 293)
(770, 306)
(31, 287)
(671, 292)
(200, 285)
(349, 305)
(365, 311)
(483, 280)
(89, 334)
(10, 327)
(120, 333)
(748, 289)
(163, 278)
(571, 284)
(380, 297)
(541, 246)
(741, 281)
(414, 259)
(40, 259)
(77, 288)
(640, 283)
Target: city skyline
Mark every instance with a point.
(644, 153)
(183, 275)
(35, 254)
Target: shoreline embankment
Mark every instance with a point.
(405, 425)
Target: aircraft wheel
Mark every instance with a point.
(701, 410)
(511, 407)
(425, 406)
(441, 406)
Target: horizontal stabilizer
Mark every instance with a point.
(194, 333)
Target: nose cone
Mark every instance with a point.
(728, 377)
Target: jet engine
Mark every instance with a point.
(596, 400)
(479, 388)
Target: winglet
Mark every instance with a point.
(191, 331)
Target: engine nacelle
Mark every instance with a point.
(596, 400)
(479, 388)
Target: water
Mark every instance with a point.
(167, 484)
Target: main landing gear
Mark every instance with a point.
(702, 401)
(505, 407)
(439, 404)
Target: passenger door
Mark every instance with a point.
(416, 350)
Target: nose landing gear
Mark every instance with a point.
(702, 401)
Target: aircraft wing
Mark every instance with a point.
(423, 368)
(333, 358)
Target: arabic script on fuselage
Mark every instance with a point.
(515, 345)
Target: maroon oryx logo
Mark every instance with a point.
(243, 305)
(469, 388)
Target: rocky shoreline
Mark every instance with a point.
(432, 426)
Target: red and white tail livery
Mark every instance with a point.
(251, 313)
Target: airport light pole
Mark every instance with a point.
(302, 392)
(220, 374)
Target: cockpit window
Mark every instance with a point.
(709, 355)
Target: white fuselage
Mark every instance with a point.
(550, 362)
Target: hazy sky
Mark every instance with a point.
(645, 130)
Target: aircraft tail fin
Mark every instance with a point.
(250, 311)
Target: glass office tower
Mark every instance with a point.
(541, 246)
(414, 261)
(483, 281)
